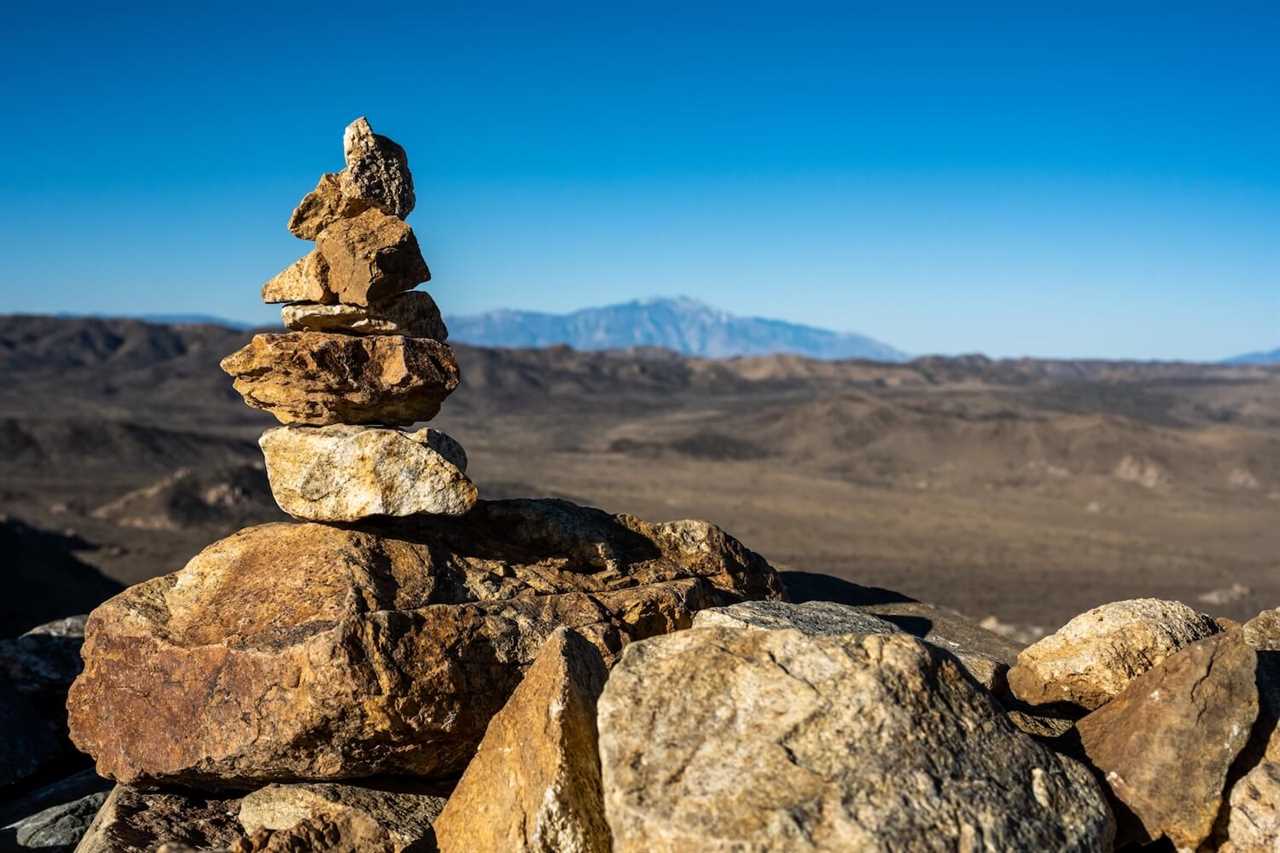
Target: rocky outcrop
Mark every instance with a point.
(1093, 657)
(413, 313)
(720, 739)
(347, 473)
(370, 257)
(319, 379)
(534, 784)
(302, 651)
(1165, 745)
(393, 817)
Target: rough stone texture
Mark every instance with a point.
(304, 280)
(348, 473)
(717, 739)
(828, 617)
(317, 378)
(14, 809)
(57, 829)
(323, 206)
(534, 785)
(1094, 656)
(303, 651)
(413, 313)
(395, 817)
(1253, 823)
(1263, 631)
(136, 821)
(377, 169)
(812, 617)
(1166, 743)
(370, 257)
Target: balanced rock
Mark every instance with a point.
(346, 473)
(377, 169)
(319, 378)
(534, 784)
(724, 739)
(1166, 743)
(309, 652)
(323, 206)
(1094, 656)
(370, 258)
(413, 313)
(392, 818)
(133, 820)
(305, 280)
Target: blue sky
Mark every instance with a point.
(1092, 181)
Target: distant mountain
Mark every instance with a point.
(680, 324)
(1272, 357)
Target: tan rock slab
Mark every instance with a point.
(371, 257)
(348, 473)
(323, 206)
(305, 280)
(534, 784)
(394, 817)
(1093, 657)
(1253, 822)
(720, 739)
(1165, 744)
(413, 313)
(291, 652)
(318, 378)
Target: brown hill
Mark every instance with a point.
(1026, 489)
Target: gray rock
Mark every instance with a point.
(718, 739)
(377, 170)
(57, 829)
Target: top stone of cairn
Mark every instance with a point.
(376, 176)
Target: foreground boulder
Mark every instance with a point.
(346, 473)
(392, 818)
(534, 784)
(303, 651)
(413, 313)
(1094, 656)
(318, 379)
(724, 739)
(1166, 743)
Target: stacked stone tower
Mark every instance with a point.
(364, 355)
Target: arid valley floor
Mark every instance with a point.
(1025, 490)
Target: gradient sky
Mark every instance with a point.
(944, 177)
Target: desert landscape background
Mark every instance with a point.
(1018, 491)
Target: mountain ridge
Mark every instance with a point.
(680, 324)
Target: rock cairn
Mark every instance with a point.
(411, 668)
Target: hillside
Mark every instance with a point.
(975, 483)
(682, 325)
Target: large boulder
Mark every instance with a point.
(347, 473)
(1093, 657)
(371, 257)
(392, 817)
(1166, 744)
(303, 651)
(318, 378)
(133, 820)
(725, 739)
(534, 784)
(413, 313)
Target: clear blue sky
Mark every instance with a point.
(945, 177)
